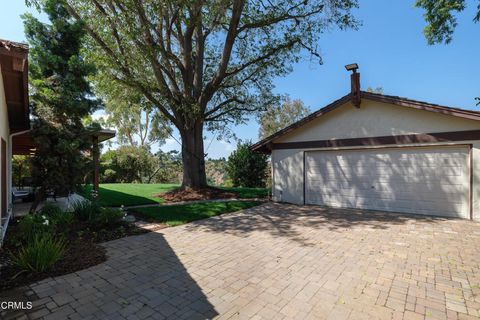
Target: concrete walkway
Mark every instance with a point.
(278, 262)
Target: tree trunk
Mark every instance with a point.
(40, 196)
(193, 157)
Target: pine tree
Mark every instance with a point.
(61, 96)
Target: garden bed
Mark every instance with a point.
(82, 251)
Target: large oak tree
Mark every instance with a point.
(205, 63)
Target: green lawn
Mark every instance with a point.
(180, 214)
(131, 194)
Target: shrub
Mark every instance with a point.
(86, 210)
(32, 225)
(40, 254)
(50, 209)
(109, 216)
(61, 220)
(247, 168)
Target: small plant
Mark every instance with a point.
(62, 220)
(50, 209)
(32, 225)
(109, 216)
(86, 210)
(40, 254)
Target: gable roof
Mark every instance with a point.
(14, 65)
(265, 144)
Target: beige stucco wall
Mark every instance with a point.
(372, 119)
(4, 126)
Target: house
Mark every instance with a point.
(380, 152)
(14, 115)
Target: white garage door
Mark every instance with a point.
(416, 180)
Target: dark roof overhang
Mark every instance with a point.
(14, 66)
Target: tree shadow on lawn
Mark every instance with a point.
(284, 220)
(143, 276)
(115, 198)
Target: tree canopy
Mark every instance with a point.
(135, 119)
(441, 18)
(204, 64)
(60, 96)
(277, 117)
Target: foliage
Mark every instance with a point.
(247, 168)
(375, 90)
(60, 219)
(169, 167)
(32, 225)
(128, 164)
(441, 19)
(277, 117)
(20, 169)
(86, 211)
(61, 96)
(108, 217)
(136, 120)
(205, 63)
(40, 254)
(180, 214)
(137, 164)
(216, 170)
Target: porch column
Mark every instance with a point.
(96, 163)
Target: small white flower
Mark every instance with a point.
(45, 222)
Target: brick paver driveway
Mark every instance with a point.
(280, 261)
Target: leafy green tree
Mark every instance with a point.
(277, 117)
(442, 21)
(128, 164)
(61, 96)
(135, 119)
(169, 167)
(20, 169)
(247, 168)
(441, 18)
(204, 64)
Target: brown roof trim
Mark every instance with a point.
(265, 145)
(13, 47)
(262, 145)
(435, 137)
(16, 65)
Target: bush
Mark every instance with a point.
(32, 225)
(86, 211)
(60, 219)
(247, 168)
(40, 254)
(109, 216)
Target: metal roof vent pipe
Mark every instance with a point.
(355, 84)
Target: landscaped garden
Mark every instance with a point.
(132, 194)
(53, 242)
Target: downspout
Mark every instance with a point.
(3, 228)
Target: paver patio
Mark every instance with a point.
(279, 261)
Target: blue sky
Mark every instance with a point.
(389, 47)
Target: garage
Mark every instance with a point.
(380, 152)
(428, 180)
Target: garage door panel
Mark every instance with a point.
(416, 180)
